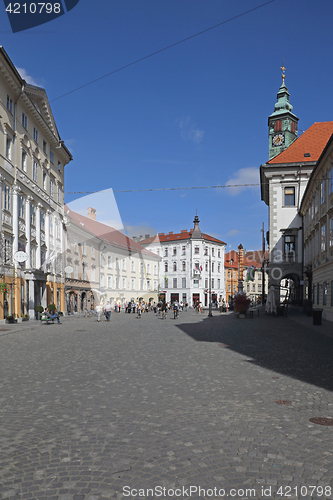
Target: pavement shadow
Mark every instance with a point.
(278, 344)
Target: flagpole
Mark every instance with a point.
(210, 285)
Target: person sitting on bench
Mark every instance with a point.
(52, 316)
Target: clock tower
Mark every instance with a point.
(282, 124)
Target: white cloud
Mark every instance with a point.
(26, 77)
(233, 232)
(189, 131)
(243, 176)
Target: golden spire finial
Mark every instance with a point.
(283, 72)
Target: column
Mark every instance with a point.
(16, 190)
(1, 181)
(31, 298)
(43, 297)
(38, 238)
(28, 230)
(47, 234)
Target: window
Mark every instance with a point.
(278, 126)
(59, 166)
(196, 283)
(322, 192)
(21, 206)
(109, 261)
(51, 226)
(148, 268)
(44, 181)
(44, 146)
(330, 181)
(84, 272)
(7, 198)
(93, 274)
(33, 257)
(183, 250)
(117, 263)
(42, 221)
(101, 280)
(174, 267)
(9, 104)
(206, 251)
(51, 156)
(76, 271)
(253, 287)
(155, 269)
(165, 252)
(101, 259)
(148, 285)
(75, 245)
(174, 282)
(218, 267)
(234, 275)
(206, 282)
(24, 161)
(323, 238)
(206, 266)
(51, 187)
(229, 288)
(35, 134)
(35, 171)
(289, 248)
(259, 289)
(155, 284)
(133, 266)
(218, 283)
(196, 249)
(219, 253)
(289, 197)
(324, 293)
(32, 214)
(213, 252)
(124, 265)
(247, 287)
(84, 248)
(59, 194)
(292, 127)
(183, 265)
(183, 282)
(316, 202)
(166, 267)
(24, 120)
(165, 282)
(124, 283)
(196, 265)
(174, 252)
(229, 274)
(213, 283)
(213, 267)
(92, 252)
(133, 283)
(8, 147)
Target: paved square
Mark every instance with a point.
(89, 408)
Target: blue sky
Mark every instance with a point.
(194, 115)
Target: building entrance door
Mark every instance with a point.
(174, 297)
(195, 298)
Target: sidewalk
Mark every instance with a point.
(326, 328)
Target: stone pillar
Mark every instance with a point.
(16, 190)
(31, 298)
(28, 230)
(38, 237)
(240, 268)
(43, 297)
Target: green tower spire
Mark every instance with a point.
(282, 123)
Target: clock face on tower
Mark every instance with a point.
(278, 139)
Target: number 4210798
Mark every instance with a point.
(33, 8)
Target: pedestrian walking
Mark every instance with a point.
(99, 311)
(107, 311)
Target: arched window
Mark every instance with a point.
(278, 126)
(166, 267)
(183, 265)
(175, 266)
(293, 127)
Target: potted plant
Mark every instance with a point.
(39, 309)
(51, 308)
(10, 319)
(241, 304)
(26, 317)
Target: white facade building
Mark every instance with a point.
(190, 262)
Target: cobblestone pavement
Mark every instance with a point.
(88, 408)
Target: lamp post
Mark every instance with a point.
(210, 286)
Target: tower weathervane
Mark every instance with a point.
(283, 72)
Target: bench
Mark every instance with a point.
(45, 320)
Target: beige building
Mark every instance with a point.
(32, 161)
(107, 265)
(317, 211)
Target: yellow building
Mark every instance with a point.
(32, 161)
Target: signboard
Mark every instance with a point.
(20, 256)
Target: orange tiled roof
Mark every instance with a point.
(184, 235)
(234, 256)
(312, 141)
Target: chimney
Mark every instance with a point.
(170, 232)
(183, 231)
(92, 213)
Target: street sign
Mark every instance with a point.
(68, 269)
(20, 256)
